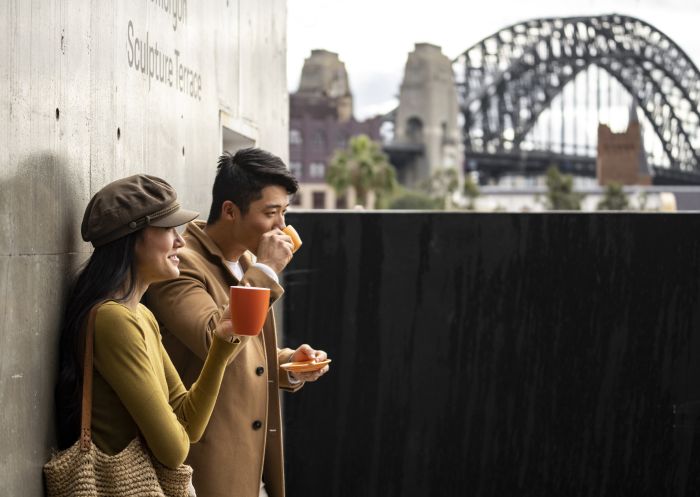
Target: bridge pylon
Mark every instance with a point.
(426, 134)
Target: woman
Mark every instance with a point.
(136, 390)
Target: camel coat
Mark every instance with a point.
(243, 441)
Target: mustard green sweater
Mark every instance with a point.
(136, 389)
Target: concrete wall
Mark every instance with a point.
(650, 199)
(76, 113)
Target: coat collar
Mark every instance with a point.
(195, 236)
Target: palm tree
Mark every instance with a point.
(363, 166)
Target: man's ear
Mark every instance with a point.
(230, 211)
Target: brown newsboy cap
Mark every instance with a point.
(130, 204)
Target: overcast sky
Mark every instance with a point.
(374, 37)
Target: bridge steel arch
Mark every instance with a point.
(509, 78)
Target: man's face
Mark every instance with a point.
(264, 214)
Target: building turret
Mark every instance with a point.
(324, 78)
(621, 156)
(427, 114)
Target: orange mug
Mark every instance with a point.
(249, 306)
(292, 233)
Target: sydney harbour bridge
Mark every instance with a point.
(529, 93)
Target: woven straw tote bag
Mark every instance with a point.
(83, 470)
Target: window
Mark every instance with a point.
(414, 130)
(317, 170)
(319, 140)
(235, 133)
(319, 200)
(295, 168)
(342, 141)
(296, 199)
(295, 137)
(341, 202)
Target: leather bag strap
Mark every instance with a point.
(86, 412)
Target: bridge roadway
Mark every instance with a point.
(532, 162)
(538, 161)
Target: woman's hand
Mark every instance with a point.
(224, 328)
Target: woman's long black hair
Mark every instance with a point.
(106, 274)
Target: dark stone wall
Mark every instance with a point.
(496, 354)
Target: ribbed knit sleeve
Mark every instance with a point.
(131, 359)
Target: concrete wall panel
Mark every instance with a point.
(258, 66)
(76, 113)
(31, 299)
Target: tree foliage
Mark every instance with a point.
(560, 192)
(440, 187)
(471, 192)
(614, 199)
(362, 166)
(413, 200)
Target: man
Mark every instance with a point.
(240, 454)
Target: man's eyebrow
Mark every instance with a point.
(275, 206)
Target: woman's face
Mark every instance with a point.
(156, 254)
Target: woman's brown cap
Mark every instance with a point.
(130, 204)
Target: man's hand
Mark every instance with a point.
(275, 250)
(306, 353)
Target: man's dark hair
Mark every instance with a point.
(240, 178)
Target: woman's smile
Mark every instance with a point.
(157, 254)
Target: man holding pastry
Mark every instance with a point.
(242, 243)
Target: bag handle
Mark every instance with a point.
(86, 412)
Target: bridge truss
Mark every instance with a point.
(507, 80)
